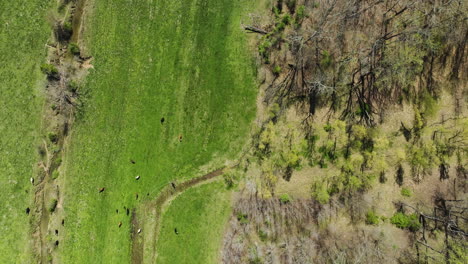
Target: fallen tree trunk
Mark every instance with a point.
(253, 29)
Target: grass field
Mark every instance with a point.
(185, 61)
(199, 215)
(23, 35)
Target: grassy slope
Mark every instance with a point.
(23, 33)
(182, 60)
(199, 215)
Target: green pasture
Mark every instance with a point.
(184, 61)
(23, 35)
(200, 216)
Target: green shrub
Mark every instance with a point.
(53, 137)
(320, 193)
(406, 192)
(53, 107)
(262, 235)
(285, 198)
(49, 69)
(74, 48)
(280, 27)
(57, 162)
(264, 47)
(73, 86)
(55, 174)
(372, 218)
(326, 60)
(404, 221)
(300, 13)
(430, 105)
(242, 218)
(286, 19)
(68, 26)
(277, 70)
(53, 205)
(256, 260)
(230, 179)
(291, 5)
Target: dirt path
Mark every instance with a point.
(153, 210)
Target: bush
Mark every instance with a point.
(372, 218)
(230, 179)
(73, 86)
(262, 235)
(277, 70)
(404, 221)
(68, 27)
(280, 27)
(320, 193)
(55, 174)
(286, 19)
(242, 218)
(74, 48)
(300, 13)
(57, 162)
(263, 48)
(53, 205)
(49, 69)
(291, 5)
(256, 260)
(326, 60)
(406, 192)
(53, 137)
(284, 198)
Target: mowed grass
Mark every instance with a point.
(185, 61)
(23, 35)
(199, 215)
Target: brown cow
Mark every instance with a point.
(101, 189)
(120, 224)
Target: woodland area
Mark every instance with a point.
(368, 100)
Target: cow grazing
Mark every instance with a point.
(31, 180)
(128, 211)
(176, 231)
(102, 189)
(173, 185)
(117, 211)
(120, 224)
(136, 196)
(180, 138)
(56, 232)
(139, 230)
(137, 177)
(63, 221)
(132, 161)
(28, 210)
(56, 243)
(162, 120)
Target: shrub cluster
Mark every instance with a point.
(404, 221)
(49, 69)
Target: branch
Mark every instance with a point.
(253, 29)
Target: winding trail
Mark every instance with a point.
(154, 208)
